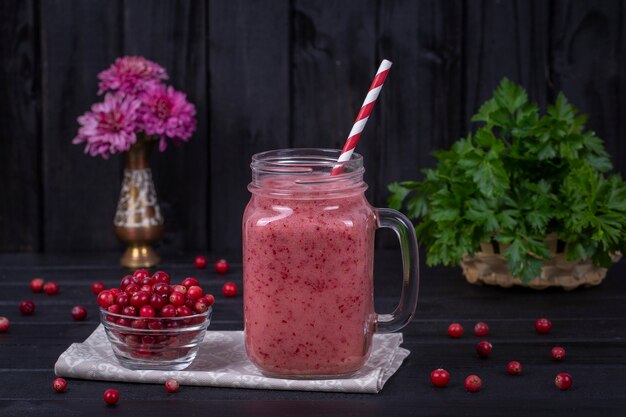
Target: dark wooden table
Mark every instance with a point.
(589, 323)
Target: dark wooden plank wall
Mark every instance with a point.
(266, 74)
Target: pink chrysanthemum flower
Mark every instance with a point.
(167, 113)
(130, 75)
(110, 126)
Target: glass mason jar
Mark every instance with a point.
(308, 258)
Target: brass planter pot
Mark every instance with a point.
(138, 220)
(490, 267)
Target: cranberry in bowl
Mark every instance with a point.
(161, 343)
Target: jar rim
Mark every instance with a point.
(309, 167)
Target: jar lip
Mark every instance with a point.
(302, 160)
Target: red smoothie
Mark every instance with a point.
(308, 288)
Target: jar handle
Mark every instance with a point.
(402, 315)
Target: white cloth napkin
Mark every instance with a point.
(222, 362)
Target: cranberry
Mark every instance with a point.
(221, 266)
(115, 309)
(195, 292)
(155, 325)
(36, 284)
(481, 329)
(473, 383)
(439, 377)
(229, 289)
(168, 311)
(105, 299)
(146, 288)
(4, 324)
(183, 311)
(190, 302)
(209, 299)
(147, 311)
(179, 288)
(161, 277)
(141, 273)
(172, 385)
(122, 321)
(563, 381)
(177, 299)
(139, 324)
(161, 288)
(97, 286)
(115, 291)
(514, 368)
(200, 262)
(79, 313)
(200, 307)
(189, 282)
(132, 289)
(122, 299)
(129, 311)
(51, 288)
(455, 330)
(157, 301)
(111, 396)
(27, 307)
(139, 299)
(484, 349)
(543, 326)
(59, 385)
(126, 281)
(558, 353)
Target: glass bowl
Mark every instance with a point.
(155, 342)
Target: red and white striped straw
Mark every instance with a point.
(361, 118)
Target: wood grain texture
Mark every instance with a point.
(173, 33)
(249, 107)
(79, 39)
(505, 39)
(588, 64)
(333, 63)
(20, 151)
(587, 322)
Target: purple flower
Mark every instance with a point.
(166, 112)
(130, 75)
(110, 126)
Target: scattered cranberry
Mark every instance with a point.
(97, 286)
(221, 266)
(172, 385)
(558, 353)
(27, 307)
(455, 330)
(195, 292)
(161, 277)
(105, 299)
(481, 329)
(543, 326)
(200, 262)
(514, 368)
(59, 385)
(484, 349)
(4, 324)
(229, 289)
(147, 311)
(79, 313)
(563, 381)
(36, 284)
(440, 377)
(111, 396)
(473, 383)
(51, 288)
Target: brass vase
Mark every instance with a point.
(138, 221)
